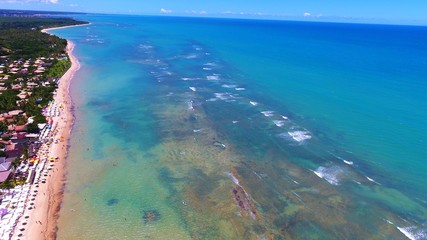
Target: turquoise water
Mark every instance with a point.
(242, 129)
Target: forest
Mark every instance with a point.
(20, 37)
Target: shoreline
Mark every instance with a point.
(46, 30)
(41, 221)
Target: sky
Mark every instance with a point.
(393, 11)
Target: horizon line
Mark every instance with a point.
(251, 16)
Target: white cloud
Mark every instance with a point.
(307, 14)
(196, 12)
(162, 10)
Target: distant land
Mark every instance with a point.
(31, 13)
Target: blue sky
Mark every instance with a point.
(346, 10)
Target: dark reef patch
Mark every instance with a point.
(150, 216)
(112, 202)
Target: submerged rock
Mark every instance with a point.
(242, 198)
(150, 216)
(112, 201)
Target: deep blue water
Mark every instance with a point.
(320, 127)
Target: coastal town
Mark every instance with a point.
(33, 119)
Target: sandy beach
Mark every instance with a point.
(46, 30)
(40, 221)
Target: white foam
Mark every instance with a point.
(212, 77)
(212, 64)
(240, 89)
(330, 174)
(190, 105)
(228, 86)
(293, 180)
(253, 103)
(235, 121)
(300, 136)
(259, 176)
(389, 221)
(189, 79)
(406, 233)
(284, 117)
(279, 123)
(225, 96)
(207, 69)
(370, 179)
(192, 89)
(412, 233)
(191, 56)
(268, 113)
(235, 180)
(222, 96)
(197, 130)
(146, 47)
(212, 100)
(348, 162)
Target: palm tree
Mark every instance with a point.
(7, 184)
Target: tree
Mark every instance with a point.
(33, 128)
(8, 184)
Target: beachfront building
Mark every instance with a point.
(5, 171)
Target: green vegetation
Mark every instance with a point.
(8, 100)
(39, 99)
(33, 128)
(8, 184)
(30, 63)
(37, 23)
(23, 50)
(58, 68)
(3, 128)
(23, 43)
(20, 37)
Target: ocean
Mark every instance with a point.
(204, 128)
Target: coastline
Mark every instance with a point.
(46, 30)
(40, 222)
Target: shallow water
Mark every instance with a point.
(185, 129)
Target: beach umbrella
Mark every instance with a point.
(3, 212)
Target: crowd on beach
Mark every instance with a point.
(17, 203)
